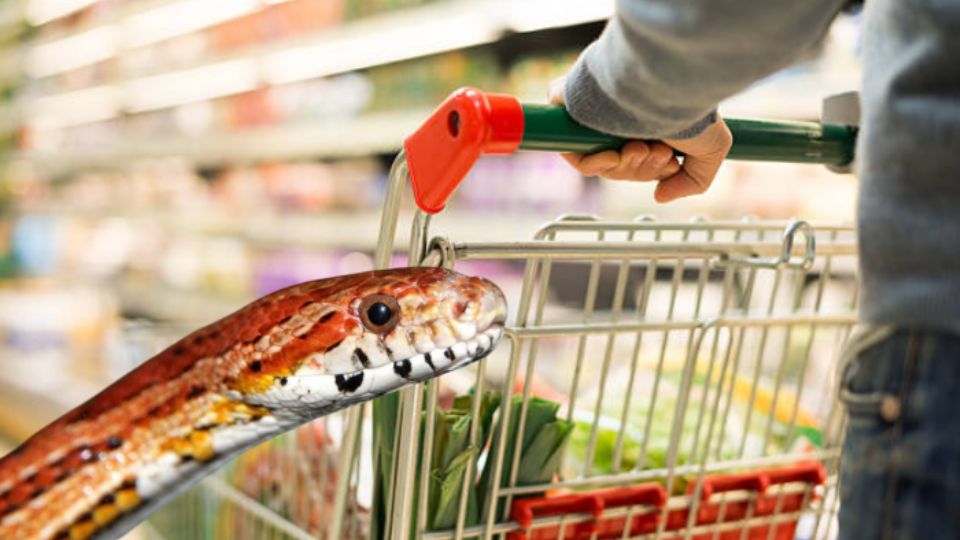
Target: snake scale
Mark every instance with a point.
(283, 360)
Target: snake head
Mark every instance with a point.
(357, 337)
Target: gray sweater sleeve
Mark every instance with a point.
(661, 66)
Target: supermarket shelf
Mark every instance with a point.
(65, 9)
(345, 231)
(382, 39)
(792, 96)
(422, 31)
(338, 230)
(371, 134)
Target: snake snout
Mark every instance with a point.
(493, 305)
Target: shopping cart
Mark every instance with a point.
(656, 380)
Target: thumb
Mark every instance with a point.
(694, 178)
(704, 156)
(682, 184)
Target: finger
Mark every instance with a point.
(633, 155)
(599, 163)
(660, 156)
(631, 166)
(671, 168)
(555, 90)
(630, 157)
(644, 161)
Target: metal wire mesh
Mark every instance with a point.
(679, 351)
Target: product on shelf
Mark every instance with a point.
(51, 334)
(530, 76)
(424, 82)
(358, 9)
(525, 183)
(276, 22)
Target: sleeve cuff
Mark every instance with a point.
(591, 106)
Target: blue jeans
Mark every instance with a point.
(900, 470)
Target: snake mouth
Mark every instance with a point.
(307, 396)
(379, 380)
(430, 364)
(418, 368)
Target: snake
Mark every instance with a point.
(283, 360)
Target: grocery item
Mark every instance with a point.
(300, 353)
(641, 439)
(295, 477)
(544, 436)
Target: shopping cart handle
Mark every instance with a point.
(471, 123)
(551, 128)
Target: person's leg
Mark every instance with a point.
(900, 469)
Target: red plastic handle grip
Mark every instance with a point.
(595, 503)
(644, 521)
(470, 123)
(810, 472)
(751, 481)
(524, 510)
(647, 494)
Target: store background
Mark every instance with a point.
(165, 161)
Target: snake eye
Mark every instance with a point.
(379, 313)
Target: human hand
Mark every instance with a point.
(654, 161)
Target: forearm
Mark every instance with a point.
(661, 66)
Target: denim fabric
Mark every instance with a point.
(900, 469)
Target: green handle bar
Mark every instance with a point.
(551, 128)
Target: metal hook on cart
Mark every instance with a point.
(441, 253)
(785, 259)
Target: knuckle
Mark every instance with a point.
(662, 151)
